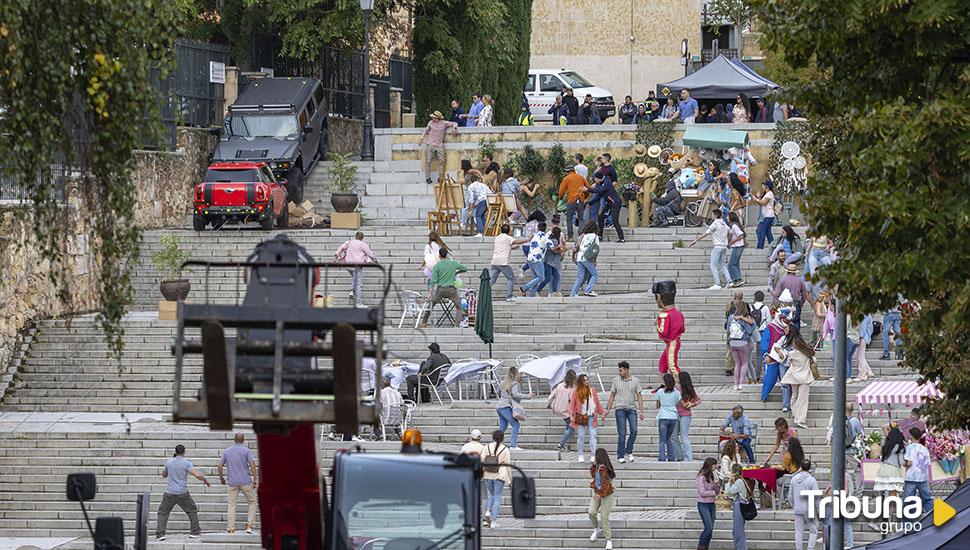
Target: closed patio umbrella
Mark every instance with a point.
(484, 319)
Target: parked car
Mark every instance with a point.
(545, 84)
(240, 192)
(277, 121)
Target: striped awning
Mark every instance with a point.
(892, 392)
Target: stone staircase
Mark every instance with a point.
(389, 190)
(73, 407)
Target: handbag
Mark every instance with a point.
(812, 365)
(748, 510)
(518, 411)
(580, 419)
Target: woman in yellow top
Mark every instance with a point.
(790, 463)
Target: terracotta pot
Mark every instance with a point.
(175, 290)
(344, 203)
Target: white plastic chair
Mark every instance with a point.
(415, 305)
(523, 359)
(486, 380)
(591, 366)
(442, 372)
(396, 416)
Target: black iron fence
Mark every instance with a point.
(55, 175)
(342, 75)
(188, 95)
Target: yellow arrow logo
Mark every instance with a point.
(942, 512)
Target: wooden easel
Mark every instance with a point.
(496, 214)
(449, 198)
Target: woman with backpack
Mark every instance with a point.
(585, 254)
(667, 417)
(559, 403)
(509, 407)
(800, 374)
(736, 243)
(740, 326)
(737, 489)
(585, 410)
(496, 476)
(688, 400)
(708, 488)
(602, 501)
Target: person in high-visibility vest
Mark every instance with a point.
(525, 118)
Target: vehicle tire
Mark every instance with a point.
(294, 184)
(267, 222)
(198, 223)
(283, 221)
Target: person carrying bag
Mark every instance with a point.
(744, 508)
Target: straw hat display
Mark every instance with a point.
(639, 150)
(640, 170)
(654, 151)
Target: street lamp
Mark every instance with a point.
(684, 54)
(367, 146)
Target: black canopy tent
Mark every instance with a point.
(722, 78)
(952, 535)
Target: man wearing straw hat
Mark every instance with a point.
(434, 134)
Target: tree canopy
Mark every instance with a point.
(461, 48)
(888, 106)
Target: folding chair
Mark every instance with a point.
(447, 308)
(523, 359)
(591, 366)
(415, 305)
(486, 381)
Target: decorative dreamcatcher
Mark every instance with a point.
(794, 168)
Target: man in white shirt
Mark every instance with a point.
(474, 446)
(719, 231)
(478, 194)
(390, 397)
(500, 259)
(581, 168)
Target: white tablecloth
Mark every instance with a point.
(553, 367)
(397, 374)
(469, 368)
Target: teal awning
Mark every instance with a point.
(714, 138)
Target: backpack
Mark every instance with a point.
(490, 463)
(735, 332)
(778, 208)
(592, 251)
(756, 315)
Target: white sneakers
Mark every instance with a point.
(596, 534)
(714, 287)
(516, 448)
(629, 458)
(609, 545)
(621, 460)
(580, 459)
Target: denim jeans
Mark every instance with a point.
(734, 264)
(539, 271)
(684, 434)
(356, 283)
(707, 513)
(816, 258)
(573, 210)
(891, 320)
(507, 271)
(584, 268)
(480, 210)
(737, 528)
(494, 488)
(717, 265)
(785, 388)
(552, 279)
(624, 444)
(850, 347)
(764, 231)
(745, 444)
(582, 436)
(674, 451)
(922, 488)
(568, 432)
(666, 428)
(505, 419)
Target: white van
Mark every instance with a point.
(545, 84)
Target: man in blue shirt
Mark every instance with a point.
(687, 107)
(471, 119)
(740, 430)
(176, 472)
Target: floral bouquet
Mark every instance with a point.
(948, 448)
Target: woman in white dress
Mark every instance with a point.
(431, 256)
(889, 476)
(485, 117)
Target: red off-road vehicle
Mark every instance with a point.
(240, 192)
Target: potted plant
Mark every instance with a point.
(342, 183)
(169, 261)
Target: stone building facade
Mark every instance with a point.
(593, 37)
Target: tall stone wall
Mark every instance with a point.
(592, 37)
(163, 189)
